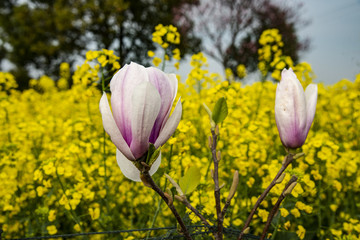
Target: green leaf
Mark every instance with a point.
(220, 111)
(210, 115)
(190, 180)
(150, 155)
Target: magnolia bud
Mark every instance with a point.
(218, 156)
(294, 109)
(281, 178)
(290, 188)
(234, 185)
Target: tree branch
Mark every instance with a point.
(219, 231)
(277, 205)
(184, 200)
(149, 182)
(288, 159)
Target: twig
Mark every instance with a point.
(184, 200)
(149, 182)
(218, 234)
(223, 212)
(231, 193)
(284, 193)
(288, 159)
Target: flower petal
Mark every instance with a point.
(146, 103)
(130, 171)
(290, 110)
(112, 129)
(122, 85)
(311, 99)
(164, 86)
(170, 125)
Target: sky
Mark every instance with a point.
(334, 33)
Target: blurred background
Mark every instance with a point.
(36, 36)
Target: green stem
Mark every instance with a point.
(160, 200)
(220, 220)
(72, 213)
(163, 62)
(104, 150)
(154, 218)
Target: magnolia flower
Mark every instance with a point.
(141, 100)
(294, 109)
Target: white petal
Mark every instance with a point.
(170, 126)
(174, 84)
(122, 85)
(146, 103)
(174, 87)
(311, 99)
(130, 171)
(155, 166)
(112, 129)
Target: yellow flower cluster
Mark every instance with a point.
(167, 37)
(104, 57)
(241, 71)
(7, 82)
(55, 161)
(270, 54)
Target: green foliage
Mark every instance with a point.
(220, 111)
(190, 180)
(39, 35)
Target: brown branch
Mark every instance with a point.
(288, 159)
(149, 182)
(223, 212)
(277, 205)
(184, 200)
(218, 234)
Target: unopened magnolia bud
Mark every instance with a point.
(290, 188)
(178, 189)
(218, 156)
(298, 155)
(247, 230)
(180, 198)
(234, 185)
(169, 198)
(217, 130)
(210, 142)
(294, 113)
(281, 178)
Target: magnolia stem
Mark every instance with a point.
(218, 234)
(276, 206)
(223, 212)
(288, 159)
(194, 210)
(148, 181)
(72, 212)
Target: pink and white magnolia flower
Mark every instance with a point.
(294, 109)
(141, 100)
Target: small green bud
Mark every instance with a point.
(290, 188)
(178, 189)
(234, 185)
(281, 178)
